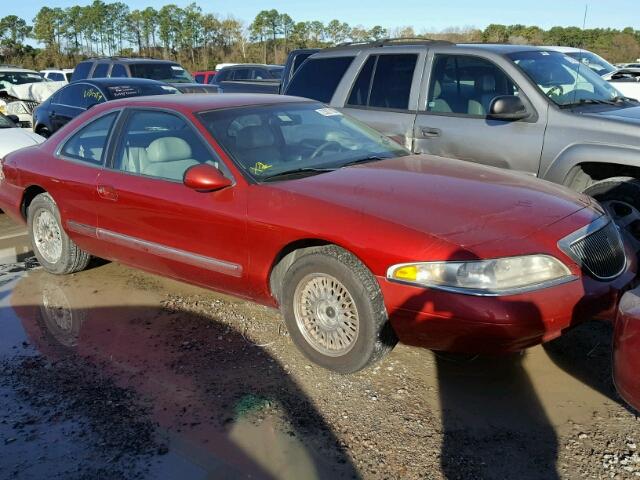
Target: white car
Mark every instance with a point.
(626, 80)
(13, 138)
(12, 77)
(62, 75)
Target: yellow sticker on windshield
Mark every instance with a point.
(260, 167)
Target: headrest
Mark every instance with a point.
(168, 149)
(487, 84)
(437, 89)
(255, 137)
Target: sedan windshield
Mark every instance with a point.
(8, 79)
(165, 72)
(564, 79)
(295, 139)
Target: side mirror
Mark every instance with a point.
(13, 118)
(205, 178)
(507, 107)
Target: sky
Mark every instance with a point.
(421, 14)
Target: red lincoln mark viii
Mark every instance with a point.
(290, 203)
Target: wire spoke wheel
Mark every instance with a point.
(326, 314)
(47, 236)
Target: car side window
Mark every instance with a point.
(82, 70)
(161, 145)
(91, 96)
(100, 70)
(199, 78)
(71, 96)
(318, 78)
(466, 85)
(118, 71)
(242, 74)
(56, 77)
(90, 143)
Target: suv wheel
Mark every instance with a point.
(620, 197)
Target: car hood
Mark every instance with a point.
(459, 202)
(12, 139)
(629, 115)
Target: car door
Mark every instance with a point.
(79, 160)
(153, 221)
(453, 120)
(382, 96)
(66, 105)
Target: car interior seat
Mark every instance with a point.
(485, 92)
(167, 157)
(258, 144)
(439, 104)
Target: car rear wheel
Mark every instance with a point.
(53, 248)
(334, 310)
(620, 197)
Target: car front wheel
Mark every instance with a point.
(334, 310)
(53, 248)
(620, 197)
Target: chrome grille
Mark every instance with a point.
(598, 249)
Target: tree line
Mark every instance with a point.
(199, 39)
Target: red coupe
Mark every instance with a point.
(290, 203)
(626, 349)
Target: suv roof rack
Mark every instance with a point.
(393, 41)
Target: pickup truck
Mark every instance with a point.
(529, 109)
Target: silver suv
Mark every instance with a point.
(523, 108)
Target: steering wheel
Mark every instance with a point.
(321, 148)
(552, 91)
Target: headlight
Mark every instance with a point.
(499, 276)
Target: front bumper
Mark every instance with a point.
(455, 322)
(626, 348)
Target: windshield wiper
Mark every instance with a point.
(591, 101)
(370, 158)
(297, 171)
(622, 98)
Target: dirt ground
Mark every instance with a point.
(116, 374)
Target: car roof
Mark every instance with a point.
(16, 69)
(130, 60)
(502, 48)
(198, 102)
(115, 81)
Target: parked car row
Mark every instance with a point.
(360, 240)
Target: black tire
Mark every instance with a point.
(620, 196)
(375, 336)
(43, 132)
(72, 258)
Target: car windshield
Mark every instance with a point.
(593, 61)
(165, 72)
(273, 141)
(564, 79)
(8, 79)
(5, 122)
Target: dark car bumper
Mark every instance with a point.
(626, 348)
(454, 322)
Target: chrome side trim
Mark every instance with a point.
(170, 253)
(209, 263)
(82, 229)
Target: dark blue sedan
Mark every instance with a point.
(73, 99)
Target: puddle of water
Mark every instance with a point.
(195, 372)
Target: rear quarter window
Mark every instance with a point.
(82, 70)
(318, 78)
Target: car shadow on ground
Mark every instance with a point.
(222, 403)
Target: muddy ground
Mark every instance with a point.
(116, 374)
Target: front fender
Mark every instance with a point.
(577, 154)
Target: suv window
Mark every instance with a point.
(242, 74)
(318, 78)
(118, 71)
(82, 70)
(466, 85)
(89, 144)
(384, 82)
(162, 145)
(56, 76)
(100, 70)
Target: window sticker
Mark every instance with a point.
(328, 112)
(260, 167)
(573, 60)
(93, 93)
(177, 68)
(122, 91)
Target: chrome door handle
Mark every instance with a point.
(430, 132)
